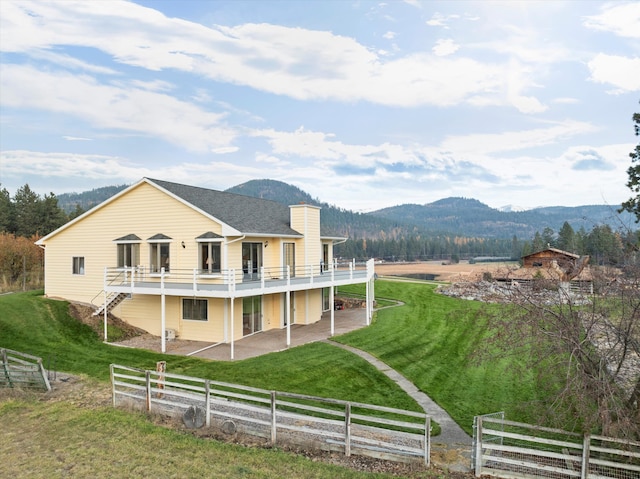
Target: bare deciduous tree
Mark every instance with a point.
(583, 347)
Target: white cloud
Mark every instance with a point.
(618, 71)
(622, 19)
(59, 165)
(440, 20)
(444, 47)
(389, 35)
(117, 106)
(225, 150)
(487, 144)
(69, 62)
(296, 62)
(76, 138)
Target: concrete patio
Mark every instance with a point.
(273, 340)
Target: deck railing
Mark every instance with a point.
(232, 279)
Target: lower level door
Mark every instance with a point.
(251, 315)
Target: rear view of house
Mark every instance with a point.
(197, 263)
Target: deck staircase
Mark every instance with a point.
(113, 300)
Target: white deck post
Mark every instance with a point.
(288, 306)
(163, 318)
(231, 279)
(368, 305)
(233, 300)
(332, 306)
(105, 304)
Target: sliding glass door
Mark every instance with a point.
(251, 315)
(251, 260)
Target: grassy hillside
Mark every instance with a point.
(433, 340)
(32, 324)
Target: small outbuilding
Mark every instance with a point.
(568, 265)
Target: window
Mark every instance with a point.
(159, 253)
(128, 254)
(251, 260)
(78, 265)
(289, 257)
(195, 309)
(210, 257)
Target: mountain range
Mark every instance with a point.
(456, 216)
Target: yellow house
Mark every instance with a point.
(199, 264)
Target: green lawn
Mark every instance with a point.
(44, 439)
(432, 340)
(42, 327)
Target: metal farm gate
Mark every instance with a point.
(22, 371)
(515, 450)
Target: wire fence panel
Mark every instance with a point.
(279, 417)
(516, 450)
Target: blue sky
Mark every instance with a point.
(362, 104)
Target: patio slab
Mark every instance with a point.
(274, 340)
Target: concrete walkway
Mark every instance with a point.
(451, 432)
(451, 449)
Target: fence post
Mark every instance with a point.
(207, 400)
(147, 375)
(161, 367)
(479, 447)
(586, 446)
(44, 375)
(347, 430)
(427, 441)
(5, 366)
(113, 385)
(273, 418)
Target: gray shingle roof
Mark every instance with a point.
(129, 237)
(246, 214)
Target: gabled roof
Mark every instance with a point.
(242, 215)
(246, 214)
(556, 251)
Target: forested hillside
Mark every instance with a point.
(449, 229)
(469, 217)
(448, 217)
(86, 200)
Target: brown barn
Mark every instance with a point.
(568, 265)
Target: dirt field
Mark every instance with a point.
(443, 272)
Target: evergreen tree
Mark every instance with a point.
(6, 212)
(566, 238)
(27, 211)
(604, 246)
(51, 216)
(632, 205)
(548, 238)
(538, 243)
(516, 248)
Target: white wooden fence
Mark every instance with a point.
(515, 450)
(20, 370)
(280, 417)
